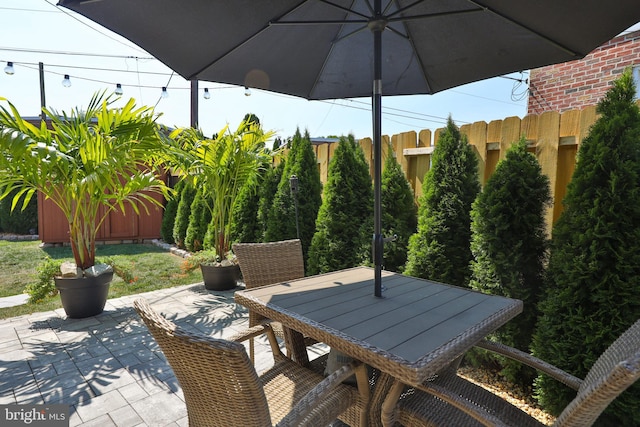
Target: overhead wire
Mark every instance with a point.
(539, 99)
(347, 103)
(97, 30)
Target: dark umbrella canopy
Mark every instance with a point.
(326, 49)
(323, 49)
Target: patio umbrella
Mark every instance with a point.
(327, 49)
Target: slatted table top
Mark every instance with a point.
(415, 329)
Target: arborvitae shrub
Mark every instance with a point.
(281, 223)
(509, 245)
(345, 219)
(198, 223)
(593, 278)
(19, 221)
(440, 250)
(182, 215)
(246, 226)
(399, 214)
(267, 193)
(169, 214)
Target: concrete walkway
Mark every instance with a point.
(108, 368)
(13, 300)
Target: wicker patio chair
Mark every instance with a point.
(451, 400)
(267, 263)
(222, 388)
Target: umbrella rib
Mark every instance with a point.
(320, 22)
(339, 39)
(274, 22)
(531, 30)
(348, 10)
(432, 15)
(400, 10)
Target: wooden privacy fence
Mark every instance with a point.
(553, 137)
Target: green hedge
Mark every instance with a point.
(440, 250)
(509, 246)
(345, 220)
(19, 221)
(593, 279)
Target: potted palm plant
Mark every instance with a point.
(222, 166)
(89, 163)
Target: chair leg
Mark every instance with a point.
(296, 348)
(252, 351)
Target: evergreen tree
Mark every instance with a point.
(345, 219)
(268, 191)
(247, 225)
(399, 214)
(440, 250)
(509, 245)
(182, 215)
(169, 214)
(593, 277)
(19, 221)
(281, 223)
(198, 223)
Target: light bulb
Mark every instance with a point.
(9, 68)
(206, 95)
(247, 91)
(119, 90)
(66, 82)
(164, 93)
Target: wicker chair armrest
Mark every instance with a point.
(305, 412)
(532, 361)
(255, 331)
(468, 407)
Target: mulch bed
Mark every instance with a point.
(510, 392)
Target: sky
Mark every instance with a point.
(96, 59)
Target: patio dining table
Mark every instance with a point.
(414, 330)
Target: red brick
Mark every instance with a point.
(580, 83)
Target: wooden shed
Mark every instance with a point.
(130, 227)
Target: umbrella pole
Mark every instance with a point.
(376, 100)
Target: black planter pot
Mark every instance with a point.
(218, 278)
(84, 296)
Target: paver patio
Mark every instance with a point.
(107, 368)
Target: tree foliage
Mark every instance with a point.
(399, 214)
(222, 167)
(247, 224)
(593, 278)
(440, 250)
(268, 191)
(345, 220)
(23, 221)
(169, 215)
(199, 223)
(89, 163)
(509, 245)
(281, 223)
(182, 215)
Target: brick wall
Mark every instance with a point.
(577, 84)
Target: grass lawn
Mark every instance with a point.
(152, 268)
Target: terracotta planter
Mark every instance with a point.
(220, 278)
(84, 296)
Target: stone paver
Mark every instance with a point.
(108, 368)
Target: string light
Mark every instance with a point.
(9, 68)
(164, 93)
